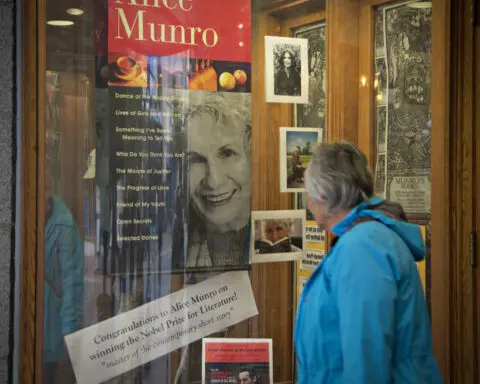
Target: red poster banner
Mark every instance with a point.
(205, 29)
(231, 352)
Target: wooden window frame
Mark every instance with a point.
(341, 121)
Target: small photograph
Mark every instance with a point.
(379, 33)
(381, 128)
(381, 83)
(296, 149)
(380, 175)
(277, 236)
(226, 361)
(286, 70)
(125, 70)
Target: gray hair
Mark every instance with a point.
(284, 223)
(229, 109)
(338, 175)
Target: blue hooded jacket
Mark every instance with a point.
(362, 316)
(64, 284)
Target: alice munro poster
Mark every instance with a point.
(178, 78)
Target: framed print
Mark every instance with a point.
(312, 114)
(403, 59)
(296, 149)
(227, 361)
(278, 236)
(286, 70)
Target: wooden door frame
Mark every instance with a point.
(476, 133)
(33, 146)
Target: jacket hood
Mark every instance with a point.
(392, 215)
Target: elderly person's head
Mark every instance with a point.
(337, 180)
(219, 133)
(276, 229)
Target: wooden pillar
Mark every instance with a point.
(342, 69)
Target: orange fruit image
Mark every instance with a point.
(240, 76)
(227, 81)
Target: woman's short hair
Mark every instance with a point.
(338, 175)
(227, 109)
(286, 224)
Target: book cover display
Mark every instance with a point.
(237, 361)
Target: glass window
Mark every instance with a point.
(168, 122)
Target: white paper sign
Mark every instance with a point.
(311, 260)
(129, 340)
(413, 192)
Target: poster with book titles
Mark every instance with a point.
(178, 81)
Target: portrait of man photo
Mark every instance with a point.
(247, 375)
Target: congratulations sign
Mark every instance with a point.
(117, 345)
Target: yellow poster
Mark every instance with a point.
(422, 264)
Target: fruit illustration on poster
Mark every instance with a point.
(240, 77)
(227, 81)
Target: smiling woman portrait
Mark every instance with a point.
(287, 78)
(219, 180)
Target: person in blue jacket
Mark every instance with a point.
(362, 316)
(63, 289)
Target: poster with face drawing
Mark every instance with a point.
(278, 236)
(286, 70)
(403, 91)
(312, 114)
(218, 180)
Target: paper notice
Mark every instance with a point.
(117, 345)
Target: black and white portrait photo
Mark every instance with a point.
(217, 187)
(278, 236)
(286, 63)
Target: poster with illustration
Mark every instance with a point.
(178, 137)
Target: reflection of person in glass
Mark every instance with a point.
(287, 78)
(219, 132)
(247, 375)
(276, 236)
(63, 288)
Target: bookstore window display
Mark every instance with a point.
(177, 135)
